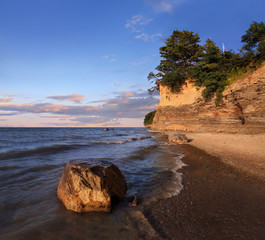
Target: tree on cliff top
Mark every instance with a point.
(210, 72)
(180, 53)
(254, 40)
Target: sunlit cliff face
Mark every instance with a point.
(242, 109)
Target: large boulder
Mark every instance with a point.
(91, 186)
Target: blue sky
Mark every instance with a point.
(85, 63)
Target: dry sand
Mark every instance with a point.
(245, 152)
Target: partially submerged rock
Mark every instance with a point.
(178, 138)
(91, 186)
(135, 202)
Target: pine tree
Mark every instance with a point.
(210, 72)
(254, 40)
(180, 53)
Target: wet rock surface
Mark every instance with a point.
(91, 186)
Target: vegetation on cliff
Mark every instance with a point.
(148, 119)
(208, 66)
(181, 52)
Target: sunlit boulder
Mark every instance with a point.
(91, 186)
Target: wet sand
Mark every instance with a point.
(217, 202)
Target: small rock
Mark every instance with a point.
(178, 138)
(135, 202)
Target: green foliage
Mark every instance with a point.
(254, 40)
(211, 71)
(207, 65)
(148, 119)
(240, 72)
(180, 53)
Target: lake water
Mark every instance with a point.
(31, 164)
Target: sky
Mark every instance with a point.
(84, 63)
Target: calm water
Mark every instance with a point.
(32, 162)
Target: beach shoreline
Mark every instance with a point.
(217, 202)
(245, 152)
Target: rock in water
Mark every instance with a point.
(135, 201)
(178, 138)
(91, 186)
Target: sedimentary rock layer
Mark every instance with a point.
(242, 110)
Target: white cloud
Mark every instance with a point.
(137, 22)
(164, 5)
(146, 37)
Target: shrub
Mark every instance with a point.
(148, 119)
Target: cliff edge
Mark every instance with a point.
(242, 110)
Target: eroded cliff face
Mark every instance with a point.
(242, 110)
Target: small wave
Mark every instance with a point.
(41, 168)
(41, 150)
(29, 174)
(127, 140)
(141, 153)
(168, 182)
(4, 168)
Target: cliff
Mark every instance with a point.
(242, 110)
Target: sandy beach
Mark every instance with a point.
(244, 152)
(217, 202)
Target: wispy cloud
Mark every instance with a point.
(5, 100)
(96, 120)
(110, 58)
(137, 85)
(136, 24)
(56, 116)
(76, 98)
(48, 108)
(125, 104)
(143, 60)
(8, 114)
(164, 5)
(147, 37)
